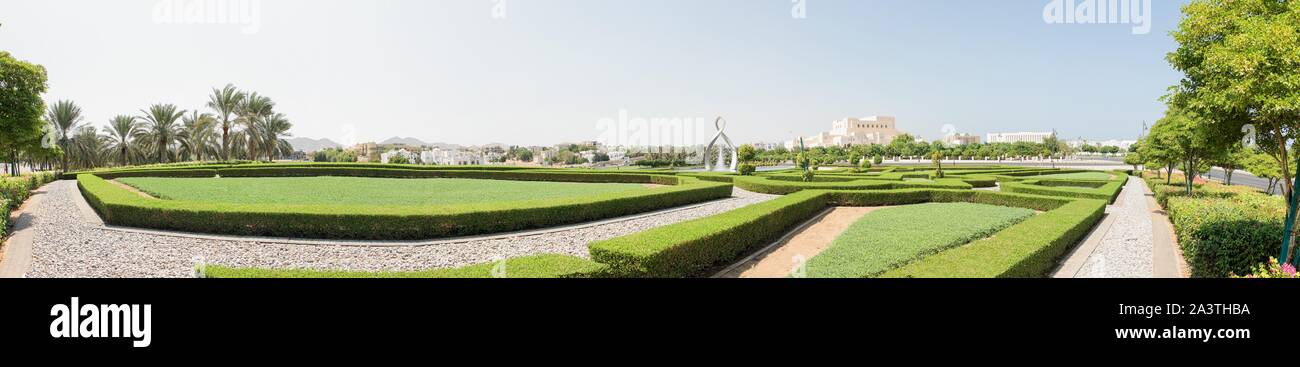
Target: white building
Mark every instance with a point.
(1032, 137)
(617, 155)
(961, 139)
(410, 156)
(851, 131)
(452, 157)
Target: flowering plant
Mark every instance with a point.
(1273, 269)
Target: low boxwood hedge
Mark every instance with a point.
(121, 207)
(1028, 249)
(768, 185)
(1223, 230)
(697, 247)
(1101, 190)
(536, 266)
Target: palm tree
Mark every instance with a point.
(88, 147)
(272, 129)
(195, 134)
(121, 130)
(160, 127)
(226, 102)
(255, 110)
(64, 115)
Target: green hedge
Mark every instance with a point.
(768, 185)
(1223, 230)
(4, 218)
(536, 266)
(1028, 249)
(697, 247)
(118, 206)
(693, 248)
(1101, 190)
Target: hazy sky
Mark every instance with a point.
(450, 71)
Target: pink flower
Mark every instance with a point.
(1289, 270)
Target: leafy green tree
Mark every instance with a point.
(1241, 64)
(746, 153)
(1231, 160)
(1263, 165)
(21, 106)
(1133, 159)
(398, 159)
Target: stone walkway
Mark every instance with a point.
(1126, 244)
(67, 244)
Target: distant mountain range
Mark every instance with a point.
(312, 145)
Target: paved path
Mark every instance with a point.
(67, 243)
(1132, 241)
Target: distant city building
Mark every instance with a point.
(961, 139)
(1030, 137)
(411, 157)
(617, 155)
(851, 131)
(1123, 145)
(453, 157)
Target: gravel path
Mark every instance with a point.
(1126, 250)
(65, 245)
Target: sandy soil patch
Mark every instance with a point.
(131, 189)
(806, 243)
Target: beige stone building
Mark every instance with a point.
(853, 131)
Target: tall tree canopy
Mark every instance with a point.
(21, 106)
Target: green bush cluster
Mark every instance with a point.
(1223, 230)
(694, 247)
(892, 237)
(1086, 189)
(529, 267)
(782, 186)
(15, 190)
(121, 207)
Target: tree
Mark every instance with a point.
(225, 102)
(1263, 166)
(746, 153)
(65, 115)
(196, 133)
(1241, 63)
(21, 106)
(160, 127)
(398, 159)
(1231, 160)
(121, 130)
(1133, 159)
(273, 129)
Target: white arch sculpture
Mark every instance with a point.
(721, 164)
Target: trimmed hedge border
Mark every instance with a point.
(535, 266)
(1085, 189)
(121, 207)
(768, 185)
(15, 190)
(1027, 249)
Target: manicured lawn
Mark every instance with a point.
(1077, 176)
(892, 237)
(362, 191)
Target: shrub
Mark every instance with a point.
(693, 248)
(1273, 270)
(892, 237)
(120, 207)
(1223, 236)
(1103, 190)
(1028, 249)
(4, 217)
(536, 266)
(747, 169)
(878, 160)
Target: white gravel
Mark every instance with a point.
(65, 245)
(1126, 250)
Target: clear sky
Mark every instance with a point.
(451, 71)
